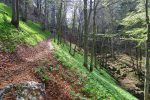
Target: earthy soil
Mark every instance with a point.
(20, 66)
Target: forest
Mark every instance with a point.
(74, 50)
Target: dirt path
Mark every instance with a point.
(20, 66)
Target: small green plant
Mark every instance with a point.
(5, 14)
(77, 95)
(51, 68)
(42, 73)
(57, 67)
(74, 94)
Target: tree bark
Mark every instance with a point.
(46, 15)
(93, 37)
(85, 35)
(146, 84)
(15, 13)
(59, 22)
(25, 13)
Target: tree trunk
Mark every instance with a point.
(46, 16)
(146, 84)
(24, 15)
(53, 20)
(59, 22)
(112, 48)
(93, 37)
(85, 35)
(137, 60)
(140, 64)
(15, 13)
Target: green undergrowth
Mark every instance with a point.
(42, 73)
(98, 85)
(28, 33)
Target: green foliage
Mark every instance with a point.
(99, 85)
(134, 27)
(134, 20)
(29, 33)
(77, 96)
(9, 37)
(42, 73)
(57, 67)
(51, 68)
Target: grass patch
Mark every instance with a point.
(99, 85)
(29, 33)
(42, 73)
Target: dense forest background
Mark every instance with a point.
(110, 35)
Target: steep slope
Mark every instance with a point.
(23, 52)
(29, 33)
(98, 85)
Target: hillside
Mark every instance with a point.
(98, 84)
(66, 77)
(29, 33)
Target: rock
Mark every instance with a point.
(118, 72)
(140, 85)
(130, 70)
(29, 90)
(139, 95)
(124, 75)
(5, 90)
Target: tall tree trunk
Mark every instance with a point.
(70, 44)
(73, 29)
(140, 64)
(85, 35)
(137, 60)
(146, 84)
(15, 13)
(53, 14)
(46, 16)
(93, 38)
(112, 48)
(25, 13)
(59, 22)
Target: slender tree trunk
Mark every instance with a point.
(90, 12)
(46, 15)
(15, 13)
(112, 48)
(70, 45)
(53, 20)
(146, 84)
(137, 60)
(140, 64)
(25, 13)
(73, 28)
(59, 22)
(85, 35)
(93, 37)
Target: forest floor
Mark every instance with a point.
(124, 71)
(20, 66)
